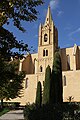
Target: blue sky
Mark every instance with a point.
(66, 16)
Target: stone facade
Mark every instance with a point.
(35, 64)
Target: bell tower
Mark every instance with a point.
(48, 42)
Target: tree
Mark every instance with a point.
(8, 42)
(15, 11)
(56, 80)
(46, 91)
(10, 81)
(18, 11)
(39, 95)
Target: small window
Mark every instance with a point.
(68, 62)
(40, 68)
(43, 52)
(64, 80)
(46, 52)
(45, 38)
(26, 83)
(47, 19)
(43, 83)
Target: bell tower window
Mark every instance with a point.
(41, 68)
(45, 52)
(45, 38)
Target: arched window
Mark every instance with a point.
(41, 68)
(26, 83)
(68, 62)
(64, 80)
(45, 38)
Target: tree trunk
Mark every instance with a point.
(2, 103)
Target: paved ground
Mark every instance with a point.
(13, 115)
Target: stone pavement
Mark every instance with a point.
(13, 115)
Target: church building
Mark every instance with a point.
(35, 64)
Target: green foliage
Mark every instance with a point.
(56, 80)
(29, 112)
(10, 80)
(63, 111)
(46, 112)
(14, 11)
(38, 95)
(46, 92)
(11, 105)
(8, 42)
(17, 11)
(5, 110)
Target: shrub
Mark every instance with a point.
(11, 105)
(39, 95)
(28, 111)
(3, 111)
(46, 112)
(46, 91)
(63, 111)
(56, 80)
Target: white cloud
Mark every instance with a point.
(54, 4)
(75, 31)
(60, 13)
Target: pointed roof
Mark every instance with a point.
(48, 16)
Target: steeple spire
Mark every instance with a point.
(48, 16)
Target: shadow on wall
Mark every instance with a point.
(69, 57)
(77, 58)
(63, 59)
(28, 65)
